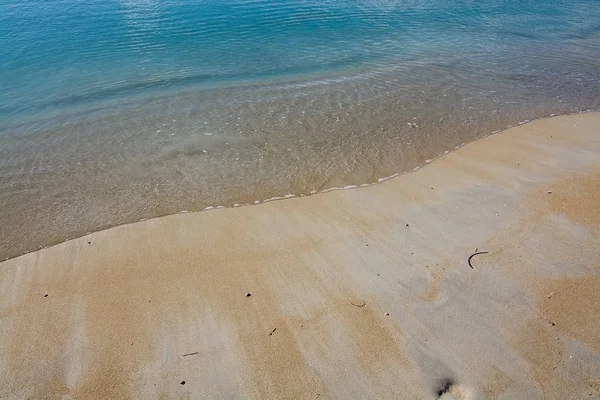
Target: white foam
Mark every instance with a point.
(208, 133)
(218, 207)
(493, 133)
(256, 201)
(386, 178)
(236, 205)
(350, 187)
(428, 161)
(447, 151)
(208, 208)
(416, 168)
(273, 199)
(330, 189)
(287, 196)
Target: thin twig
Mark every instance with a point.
(359, 305)
(473, 255)
(190, 354)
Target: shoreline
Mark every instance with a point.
(354, 293)
(14, 254)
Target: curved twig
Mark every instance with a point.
(473, 255)
(359, 305)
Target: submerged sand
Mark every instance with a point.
(363, 293)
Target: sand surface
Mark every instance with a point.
(355, 294)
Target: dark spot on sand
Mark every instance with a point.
(443, 387)
(46, 295)
(182, 382)
(407, 225)
(248, 294)
(89, 242)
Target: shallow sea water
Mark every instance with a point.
(114, 111)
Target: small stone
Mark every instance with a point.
(387, 314)
(46, 295)
(549, 192)
(248, 294)
(90, 242)
(182, 382)
(407, 225)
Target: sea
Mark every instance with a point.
(115, 111)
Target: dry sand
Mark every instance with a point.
(361, 293)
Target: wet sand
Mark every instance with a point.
(362, 293)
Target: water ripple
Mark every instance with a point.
(115, 110)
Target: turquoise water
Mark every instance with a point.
(113, 111)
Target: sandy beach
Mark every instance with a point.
(365, 293)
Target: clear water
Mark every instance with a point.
(116, 110)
